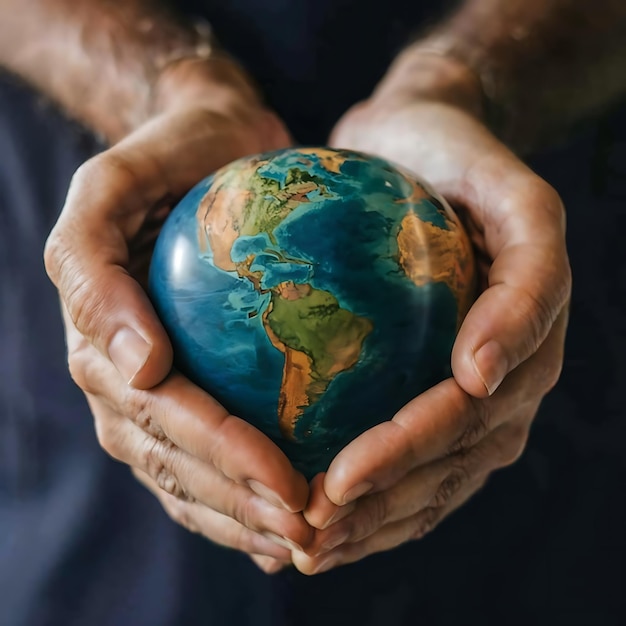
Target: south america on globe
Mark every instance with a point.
(313, 292)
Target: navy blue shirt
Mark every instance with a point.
(82, 544)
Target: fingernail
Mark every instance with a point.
(129, 352)
(335, 541)
(271, 496)
(327, 564)
(356, 492)
(339, 514)
(491, 365)
(283, 541)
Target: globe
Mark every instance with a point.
(313, 292)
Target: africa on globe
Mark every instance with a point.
(313, 292)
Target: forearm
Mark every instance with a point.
(543, 64)
(102, 60)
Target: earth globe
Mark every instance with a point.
(313, 292)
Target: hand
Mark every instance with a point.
(213, 472)
(398, 480)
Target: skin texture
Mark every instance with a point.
(212, 472)
(59, 46)
(544, 65)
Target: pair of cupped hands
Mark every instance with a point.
(213, 472)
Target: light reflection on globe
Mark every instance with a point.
(313, 292)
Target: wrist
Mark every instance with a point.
(218, 86)
(216, 82)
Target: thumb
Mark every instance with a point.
(529, 280)
(86, 257)
(109, 200)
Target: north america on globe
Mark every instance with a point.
(322, 289)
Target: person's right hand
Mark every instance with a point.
(213, 472)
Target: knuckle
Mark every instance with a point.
(243, 510)
(55, 253)
(110, 166)
(478, 419)
(374, 512)
(449, 487)
(158, 461)
(546, 196)
(60, 242)
(138, 406)
(169, 483)
(552, 202)
(87, 170)
(424, 522)
(539, 315)
(78, 361)
(86, 302)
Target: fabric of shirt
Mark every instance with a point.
(81, 543)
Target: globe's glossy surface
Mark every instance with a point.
(312, 292)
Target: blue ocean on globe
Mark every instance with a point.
(313, 292)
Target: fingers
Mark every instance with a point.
(193, 422)
(529, 282)
(421, 432)
(216, 527)
(442, 421)
(186, 477)
(432, 485)
(388, 537)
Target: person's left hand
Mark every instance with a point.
(398, 480)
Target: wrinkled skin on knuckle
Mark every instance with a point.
(538, 315)
(477, 417)
(169, 483)
(57, 250)
(55, 253)
(372, 515)
(158, 459)
(424, 522)
(449, 487)
(138, 406)
(117, 171)
(86, 300)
